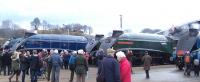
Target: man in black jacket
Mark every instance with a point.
(34, 65)
(23, 65)
(6, 61)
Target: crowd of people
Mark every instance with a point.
(191, 64)
(113, 66)
(43, 63)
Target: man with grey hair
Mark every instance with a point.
(81, 66)
(56, 62)
(109, 67)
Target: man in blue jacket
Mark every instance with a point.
(110, 67)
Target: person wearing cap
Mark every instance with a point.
(72, 65)
(56, 62)
(34, 65)
(110, 67)
(147, 59)
(15, 66)
(100, 55)
(125, 67)
(81, 66)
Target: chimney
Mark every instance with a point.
(117, 33)
(99, 37)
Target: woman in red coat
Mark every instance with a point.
(125, 67)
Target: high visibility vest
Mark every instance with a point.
(180, 52)
(187, 59)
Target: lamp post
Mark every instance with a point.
(120, 21)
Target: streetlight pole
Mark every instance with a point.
(120, 21)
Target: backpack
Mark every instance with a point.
(196, 62)
(81, 67)
(187, 59)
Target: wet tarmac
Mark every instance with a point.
(165, 73)
(168, 73)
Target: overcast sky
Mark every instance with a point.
(103, 15)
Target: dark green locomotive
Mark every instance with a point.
(158, 46)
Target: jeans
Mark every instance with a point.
(1, 68)
(33, 75)
(196, 70)
(8, 67)
(66, 65)
(23, 75)
(187, 70)
(147, 73)
(27, 71)
(55, 73)
(71, 76)
(49, 72)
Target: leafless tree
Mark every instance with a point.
(36, 23)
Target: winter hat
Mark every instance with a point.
(56, 51)
(44, 50)
(65, 51)
(34, 51)
(100, 52)
(51, 51)
(110, 51)
(187, 52)
(120, 54)
(74, 52)
(61, 52)
(80, 51)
